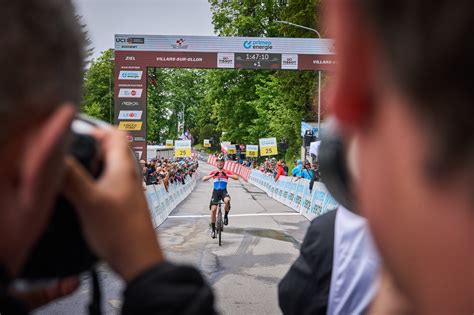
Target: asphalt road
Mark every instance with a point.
(259, 245)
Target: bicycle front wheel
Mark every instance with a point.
(220, 237)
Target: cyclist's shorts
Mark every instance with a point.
(217, 195)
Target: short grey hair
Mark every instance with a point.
(41, 60)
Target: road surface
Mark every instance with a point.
(260, 243)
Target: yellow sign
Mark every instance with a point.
(182, 148)
(182, 152)
(231, 149)
(169, 143)
(268, 146)
(207, 143)
(130, 125)
(251, 150)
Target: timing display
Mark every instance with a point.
(257, 61)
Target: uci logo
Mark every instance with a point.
(247, 44)
(120, 40)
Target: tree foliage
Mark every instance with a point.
(99, 87)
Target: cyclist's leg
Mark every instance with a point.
(226, 207)
(213, 214)
(226, 198)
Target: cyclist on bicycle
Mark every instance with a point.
(220, 192)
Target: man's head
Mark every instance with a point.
(40, 88)
(220, 164)
(405, 104)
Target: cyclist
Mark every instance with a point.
(220, 178)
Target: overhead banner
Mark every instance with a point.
(268, 146)
(135, 53)
(207, 143)
(182, 148)
(169, 143)
(252, 150)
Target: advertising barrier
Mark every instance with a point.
(162, 202)
(295, 194)
(290, 191)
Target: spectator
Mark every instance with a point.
(280, 170)
(296, 172)
(332, 275)
(285, 168)
(315, 176)
(47, 40)
(307, 172)
(412, 139)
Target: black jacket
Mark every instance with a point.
(305, 288)
(163, 289)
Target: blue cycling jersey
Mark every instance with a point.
(220, 179)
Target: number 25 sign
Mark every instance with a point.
(268, 146)
(182, 148)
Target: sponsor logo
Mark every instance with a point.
(258, 44)
(131, 93)
(180, 44)
(139, 139)
(130, 114)
(130, 75)
(130, 40)
(130, 103)
(225, 60)
(289, 61)
(130, 125)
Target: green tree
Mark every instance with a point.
(248, 105)
(99, 87)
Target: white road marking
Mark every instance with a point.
(236, 215)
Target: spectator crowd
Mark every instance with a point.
(277, 168)
(168, 171)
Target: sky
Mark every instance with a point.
(104, 18)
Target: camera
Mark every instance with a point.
(62, 250)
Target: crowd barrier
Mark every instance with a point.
(162, 202)
(290, 191)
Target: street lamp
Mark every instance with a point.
(319, 71)
(181, 115)
(300, 26)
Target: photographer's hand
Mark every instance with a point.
(113, 209)
(43, 296)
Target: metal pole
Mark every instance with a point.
(319, 104)
(319, 72)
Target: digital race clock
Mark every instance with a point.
(257, 61)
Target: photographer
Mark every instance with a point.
(44, 38)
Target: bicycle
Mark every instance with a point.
(219, 222)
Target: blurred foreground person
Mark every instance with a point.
(404, 100)
(337, 268)
(40, 90)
